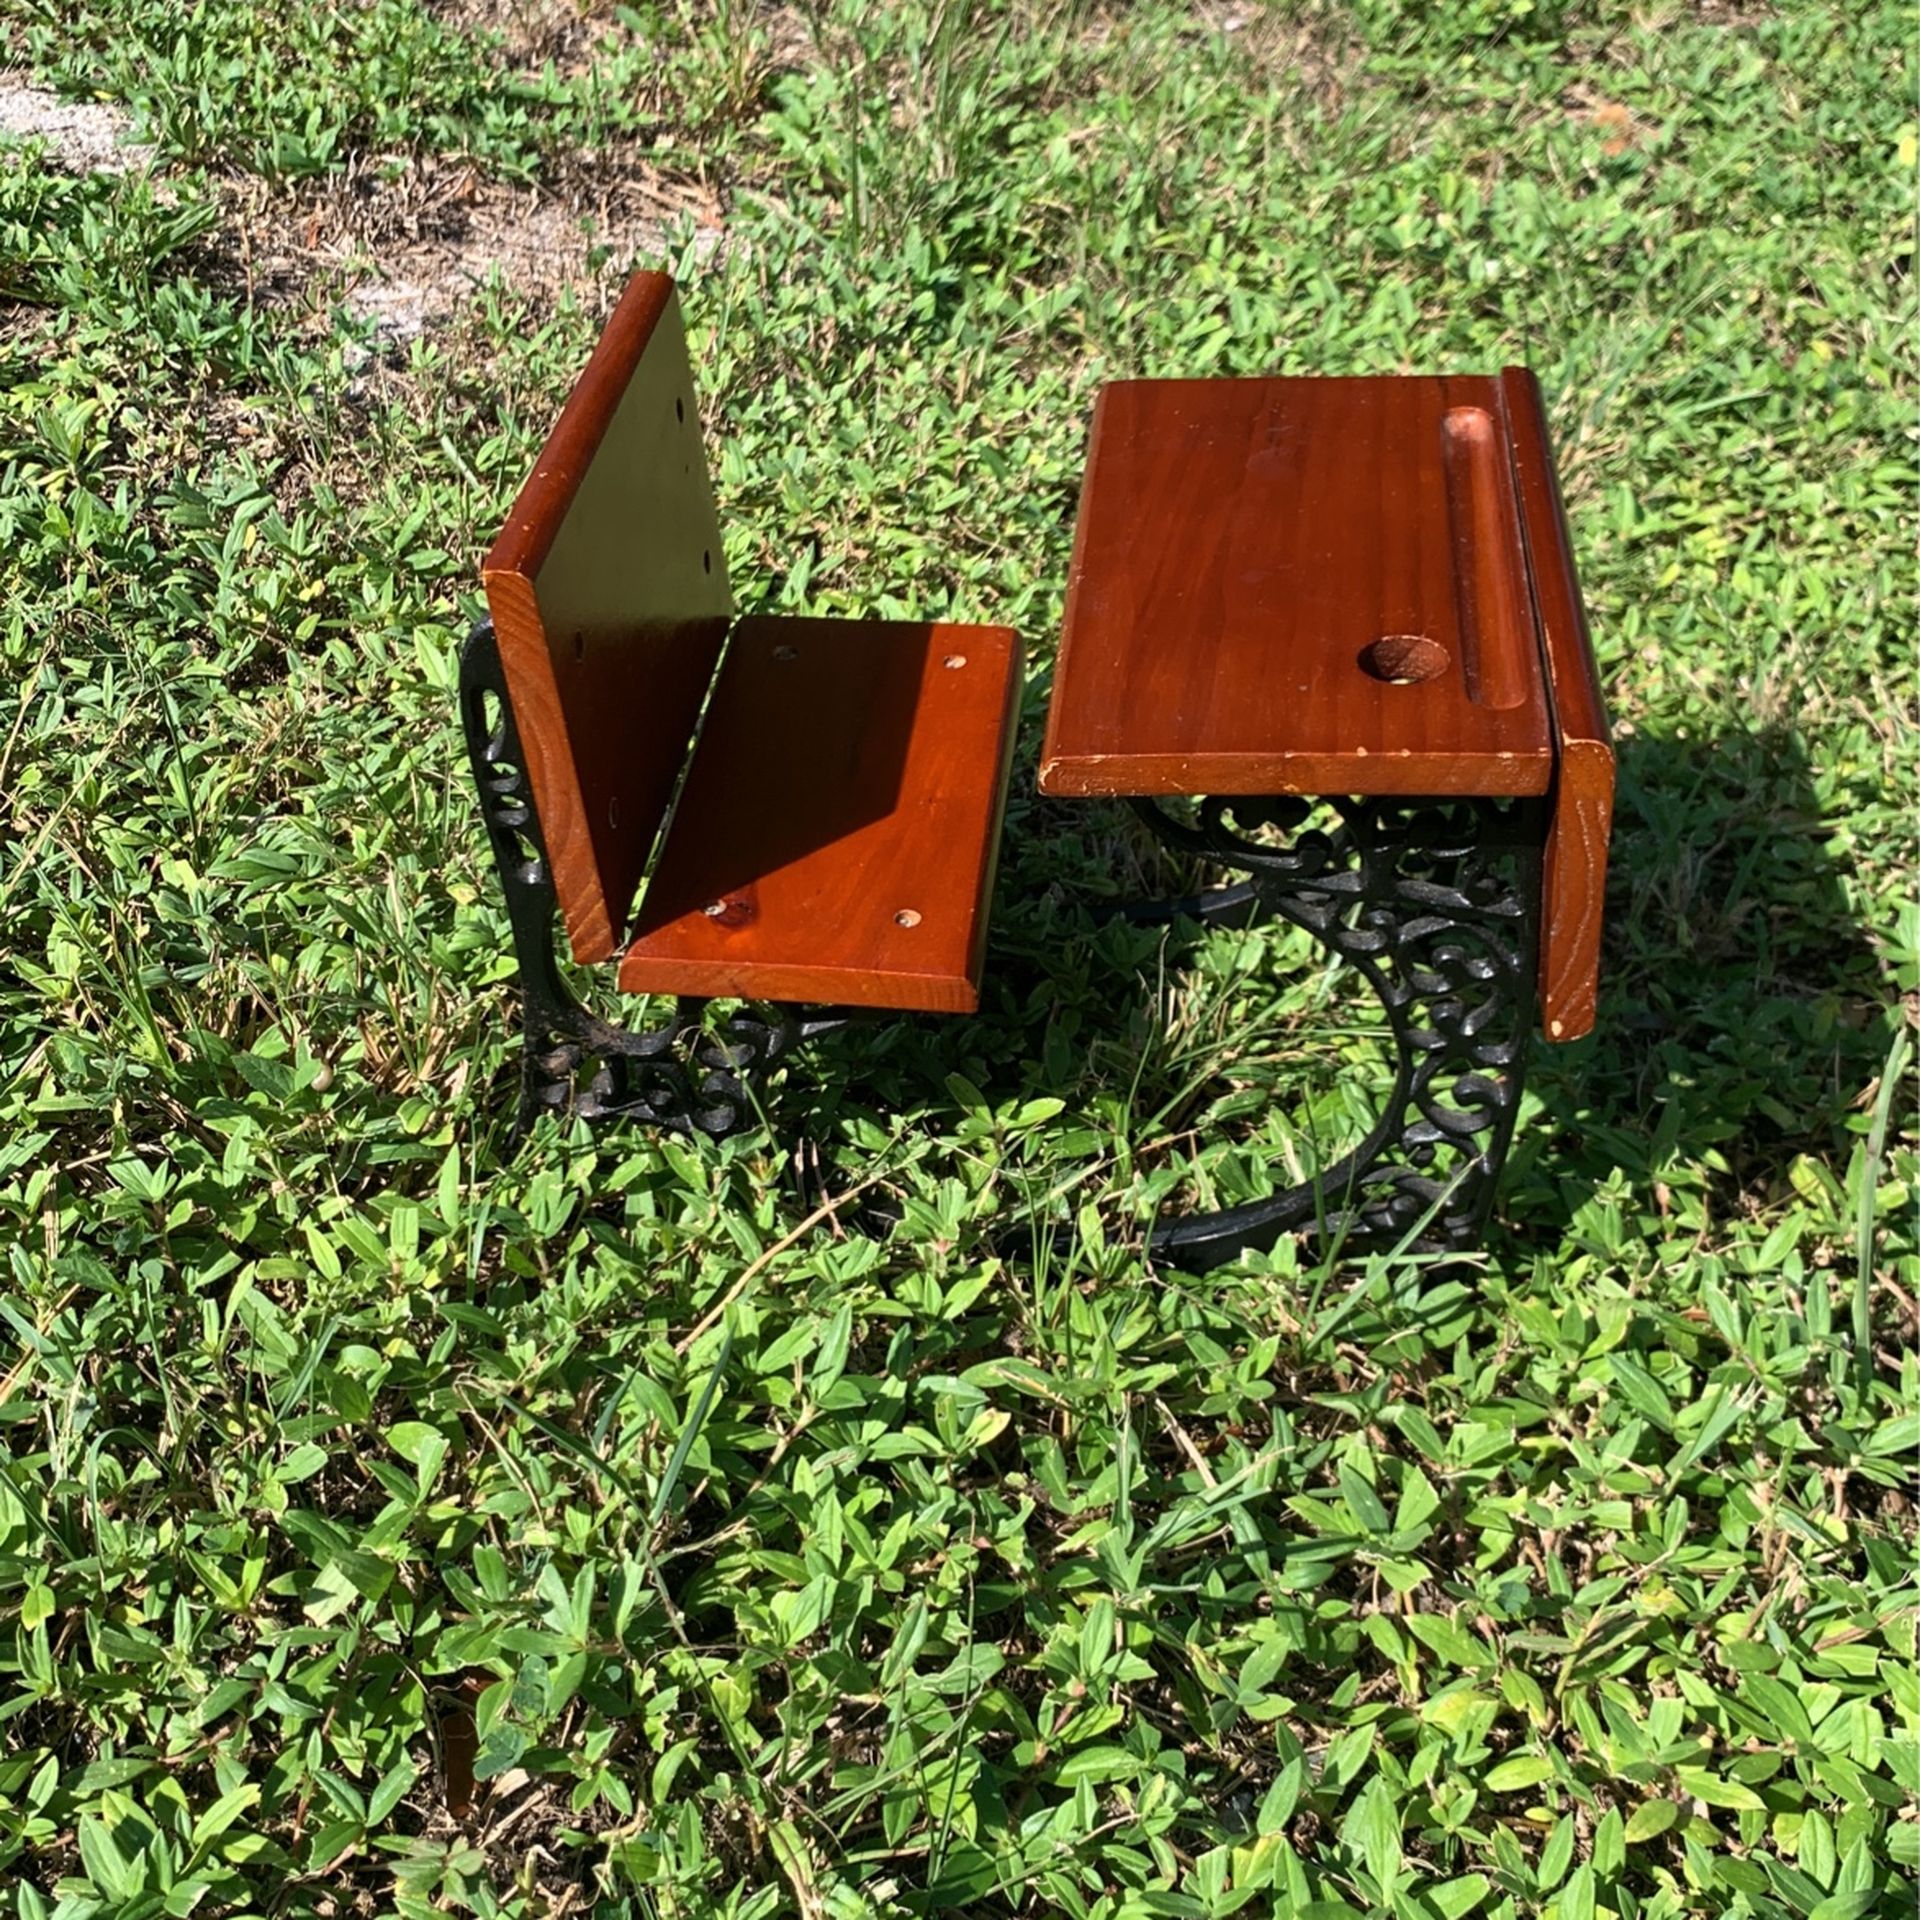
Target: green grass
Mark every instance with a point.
(836, 1566)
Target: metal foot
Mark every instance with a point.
(682, 1076)
(1437, 904)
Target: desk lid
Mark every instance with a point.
(1299, 586)
(1339, 586)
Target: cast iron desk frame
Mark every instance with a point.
(1436, 904)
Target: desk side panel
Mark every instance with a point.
(1580, 821)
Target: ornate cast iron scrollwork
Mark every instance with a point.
(683, 1076)
(1436, 903)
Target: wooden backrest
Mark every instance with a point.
(608, 591)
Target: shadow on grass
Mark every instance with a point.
(1741, 1002)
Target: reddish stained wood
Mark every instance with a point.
(608, 590)
(460, 1742)
(1489, 570)
(836, 837)
(1581, 818)
(1297, 586)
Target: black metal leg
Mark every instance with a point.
(1237, 906)
(680, 1076)
(1437, 904)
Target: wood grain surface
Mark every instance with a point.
(1298, 586)
(836, 837)
(608, 591)
(1580, 820)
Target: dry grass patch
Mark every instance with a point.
(405, 242)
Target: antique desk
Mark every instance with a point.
(1340, 617)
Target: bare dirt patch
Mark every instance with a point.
(1314, 55)
(83, 137)
(533, 32)
(407, 242)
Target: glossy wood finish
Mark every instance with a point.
(1298, 586)
(608, 590)
(836, 837)
(1580, 820)
(1340, 587)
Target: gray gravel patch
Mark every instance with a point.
(84, 137)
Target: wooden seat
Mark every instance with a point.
(840, 783)
(835, 838)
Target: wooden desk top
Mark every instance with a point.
(1340, 586)
(1299, 586)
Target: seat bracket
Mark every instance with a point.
(683, 1076)
(1437, 904)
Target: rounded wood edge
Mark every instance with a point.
(1076, 569)
(753, 624)
(1574, 870)
(798, 985)
(1014, 668)
(1576, 703)
(1409, 776)
(556, 795)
